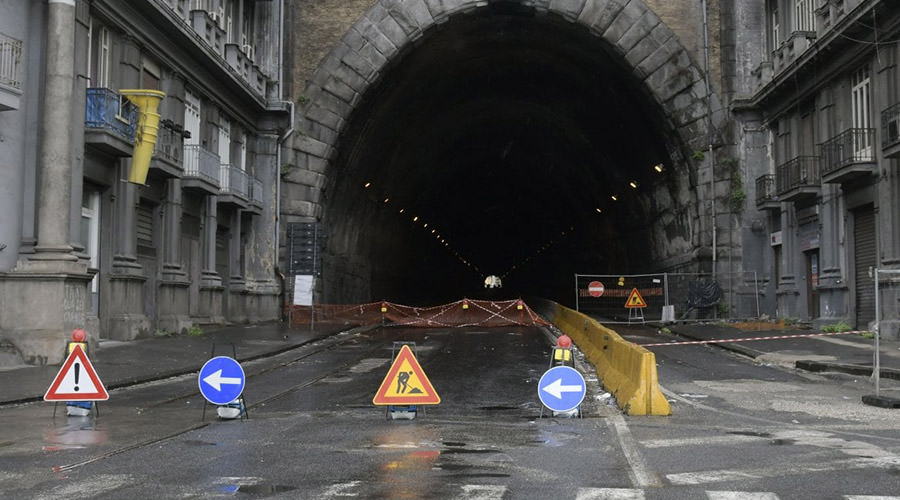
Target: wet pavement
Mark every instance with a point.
(121, 364)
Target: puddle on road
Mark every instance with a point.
(261, 489)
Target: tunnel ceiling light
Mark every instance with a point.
(415, 218)
(387, 200)
(633, 184)
(367, 184)
(402, 210)
(659, 168)
(599, 210)
(614, 198)
(425, 225)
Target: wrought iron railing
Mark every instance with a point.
(10, 61)
(107, 110)
(890, 126)
(233, 180)
(169, 145)
(851, 146)
(765, 189)
(201, 164)
(798, 172)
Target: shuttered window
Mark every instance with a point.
(864, 249)
(145, 226)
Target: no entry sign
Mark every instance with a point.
(595, 289)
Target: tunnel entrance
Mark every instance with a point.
(501, 143)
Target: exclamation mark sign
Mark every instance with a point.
(77, 372)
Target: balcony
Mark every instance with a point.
(168, 150)
(201, 170)
(10, 72)
(109, 121)
(890, 131)
(234, 186)
(848, 156)
(798, 180)
(766, 197)
(256, 196)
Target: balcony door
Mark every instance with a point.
(860, 82)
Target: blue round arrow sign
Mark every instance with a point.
(561, 388)
(221, 380)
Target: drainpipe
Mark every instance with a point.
(712, 170)
(286, 134)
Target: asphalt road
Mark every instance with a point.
(739, 430)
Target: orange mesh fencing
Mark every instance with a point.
(464, 312)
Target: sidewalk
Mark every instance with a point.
(120, 364)
(844, 353)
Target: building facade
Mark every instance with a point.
(196, 243)
(821, 139)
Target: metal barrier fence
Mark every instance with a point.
(886, 318)
(667, 296)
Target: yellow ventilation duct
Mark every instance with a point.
(147, 102)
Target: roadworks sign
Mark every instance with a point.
(406, 383)
(77, 380)
(635, 300)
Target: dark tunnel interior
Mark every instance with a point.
(499, 144)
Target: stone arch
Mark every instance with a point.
(635, 33)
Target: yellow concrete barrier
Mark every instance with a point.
(627, 370)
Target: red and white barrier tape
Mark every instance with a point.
(748, 339)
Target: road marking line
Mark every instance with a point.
(714, 476)
(740, 495)
(869, 497)
(89, 488)
(481, 492)
(701, 441)
(341, 490)
(609, 494)
(640, 473)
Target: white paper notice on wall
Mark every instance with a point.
(303, 290)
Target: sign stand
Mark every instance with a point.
(241, 401)
(77, 380)
(405, 387)
(635, 305)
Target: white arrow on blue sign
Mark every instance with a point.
(221, 380)
(561, 388)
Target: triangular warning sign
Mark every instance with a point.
(77, 380)
(406, 383)
(635, 300)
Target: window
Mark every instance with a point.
(859, 102)
(243, 164)
(804, 16)
(90, 238)
(192, 118)
(774, 25)
(150, 74)
(99, 55)
(225, 142)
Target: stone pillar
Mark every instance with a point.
(788, 293)
(52, 279)
(211, 289)
(173, 301)
(55, 160)
(236, 311)
(125, 293)
(832, 283)
(262, 253)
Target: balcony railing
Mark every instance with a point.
(890, 130)
(233, 180)
(848, 154)
(256, 192)
(765, 190)
(798, 178)
(201, 164)
(10, 62)
(107, 110)
(169, 145)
